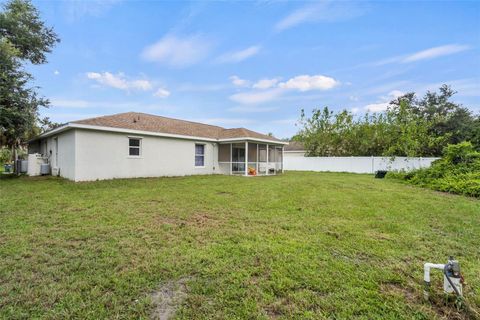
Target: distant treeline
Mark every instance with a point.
(409, 127)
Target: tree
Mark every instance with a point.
(409, 127)
(412, 132)
(24, 38)
(446, 119)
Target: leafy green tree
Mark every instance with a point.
(24, 38)
(412, 132)
(448, 121)
(409, 127)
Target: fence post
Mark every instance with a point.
(373, 164)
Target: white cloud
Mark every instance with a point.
(435, 52)
(119, 81)
(382, 106)
(161, 93)
(377, 107)
(394, 94)
(178, 52)
(56, 72)
(355, 110)
(255, 97)
(143, 85)
(266, 83)
(327, 11)
(274, 89)
(238, 56)
(426, 54)
(307, 83)
(238, 82)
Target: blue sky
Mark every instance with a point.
(254, 64)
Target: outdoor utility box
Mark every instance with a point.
(22, 166)
(380, 174)
(34, 163)
(44, 169)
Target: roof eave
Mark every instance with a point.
(226, 140)
(73, 125)
(51, 132)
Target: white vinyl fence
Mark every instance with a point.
(355, 164)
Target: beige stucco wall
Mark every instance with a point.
(104, 155)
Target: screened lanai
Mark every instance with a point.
(250, 158)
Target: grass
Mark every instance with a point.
(302, 245)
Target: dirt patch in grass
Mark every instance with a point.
(397, 289)
(198, 220)
(201, 220)
(224, 193)
(168, 298)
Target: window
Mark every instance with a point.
(199, 155)
(134, 145)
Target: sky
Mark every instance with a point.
(254, 64)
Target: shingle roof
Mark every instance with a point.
(295, 146)
(153, 123)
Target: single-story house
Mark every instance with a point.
(295, 149)
(133, 144)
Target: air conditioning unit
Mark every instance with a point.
(45, 169)
(22, 166)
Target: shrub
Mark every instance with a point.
(457, 172)
(5, 155)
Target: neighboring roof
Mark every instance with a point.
(136, 121)
(295, 146)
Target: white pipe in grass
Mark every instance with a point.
(426, 276)
(426, 268)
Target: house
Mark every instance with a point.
(132, 144)
(294, 149)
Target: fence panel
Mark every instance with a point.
(355, 164)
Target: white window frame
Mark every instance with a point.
(195, 154)
(139, 147)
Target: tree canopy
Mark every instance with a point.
(409, 127)
(24, 39)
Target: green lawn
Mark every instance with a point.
(301, 245)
